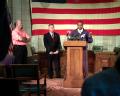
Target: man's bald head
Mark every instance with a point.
(18, 24)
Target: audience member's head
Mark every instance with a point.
(105, 83)
(5, 32)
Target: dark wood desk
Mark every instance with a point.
(96, 61)
(104, 59)
(41, 58)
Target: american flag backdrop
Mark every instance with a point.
(101, 17)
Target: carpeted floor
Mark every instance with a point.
(55, 88)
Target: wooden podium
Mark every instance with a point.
(74, 68)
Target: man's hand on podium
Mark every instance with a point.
(90, 34)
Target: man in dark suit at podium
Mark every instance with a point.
(83, 35)
(53, 45)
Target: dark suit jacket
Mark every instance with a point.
(83, 36)
(52, 44)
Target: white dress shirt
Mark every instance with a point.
(52, 34)
(80, 31)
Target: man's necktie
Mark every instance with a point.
(52, 35)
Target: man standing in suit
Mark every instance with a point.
(53, 45)
(83, 35)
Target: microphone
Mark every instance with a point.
(68, 35)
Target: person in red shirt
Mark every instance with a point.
(20, 39)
